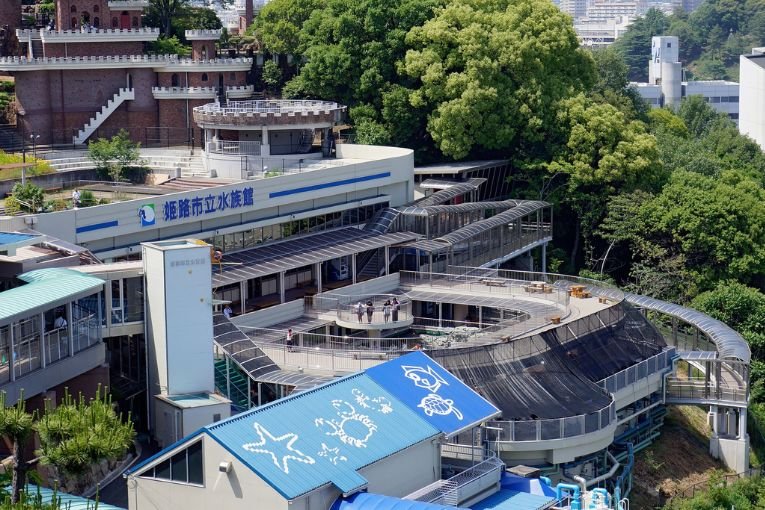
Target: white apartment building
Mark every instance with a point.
(752, 120)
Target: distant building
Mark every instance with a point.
(666, 87)
(752, 75)
(598, 33)
(604, 10)
(576, 8)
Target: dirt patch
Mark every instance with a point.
(679, 459)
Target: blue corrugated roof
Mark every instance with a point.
(367, 501)
(65, 501)
(441, 399)
(15, 237)
(322, 436)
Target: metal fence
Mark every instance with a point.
(657, 363)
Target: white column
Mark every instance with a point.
(43, 356)
(544, 258)
(742, 423)
(282, 291)
(353, 267)
(387, 260)
(12, 353)
(265, 147)
(318, 278)
(70, 326)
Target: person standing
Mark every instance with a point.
(76, 198)
(386, 311)
(289, 340)
(360, 311)
(370, 311)
(396, 307)
(228, 312)
(60, 322)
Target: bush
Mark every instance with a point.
(29, 197)
(87, 199)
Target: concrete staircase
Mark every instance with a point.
(106, 110)
(36, 48)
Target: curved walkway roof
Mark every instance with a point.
(447, 194)
(729, 343)
(429, 210)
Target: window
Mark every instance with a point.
(733, 99)
(96, 8)
(115, 22)
(135, 21)
(204, 52)
(715, 99)
(204, 77)
(74, 22)
(174, 80)
(73, 9)
(669, 45)
(96, 22)
(733, 116)
(184, 467)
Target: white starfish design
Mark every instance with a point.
(267, 437)
(332, 454)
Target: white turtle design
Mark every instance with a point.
(436, 404)
(348, 415)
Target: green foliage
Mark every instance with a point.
(174, 17)
(635, 45)
(29, 196)
(48, 8)
(612, 85)
(115, 154)
(492, 73)
(272, 75)
(741, 494)
(40, 167)
(87, 198)
(279, 23)
(17, 426)
(79, 433)
(169, 46)
(664, 122)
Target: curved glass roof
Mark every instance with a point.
(447, 194)
(729, 343)
(430, 210)
(523, 208)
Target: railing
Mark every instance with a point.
(703, 391)
(484, 284)
(148, 60)
(464, 485)
(656, 363)
(324, 360)
(86, 332)
(317, 342)
(553, 428)
(263, 168)
(563, 281)
(347, 308)
(203, 34)
(251, 148)
(271, 107)
(56, 345)
(103, 32)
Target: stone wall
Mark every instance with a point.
(94, 49)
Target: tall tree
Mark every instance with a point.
(17, 425)
(492, 73)
(279, 23)
(165, 11)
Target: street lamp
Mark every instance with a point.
(34, 138)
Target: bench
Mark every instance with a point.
(494, 282)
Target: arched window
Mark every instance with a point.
(204, 76)
(135, 21)
(115, 22)
(96, 8)
(96, 22)
(74, 22)
(73, 9)
(204, 52)
(174, 80)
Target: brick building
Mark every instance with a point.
(91, 76)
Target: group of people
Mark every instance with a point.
(390, 308)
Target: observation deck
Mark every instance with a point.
(252, 114)
(233, 92)
(203, 35)
(128, 5)
(164, 63)
(93, 35)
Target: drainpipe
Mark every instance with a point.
(589, 483)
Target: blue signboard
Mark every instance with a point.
(425, 386)
(203, 205)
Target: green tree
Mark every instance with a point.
(613, 87)
(602, 152)
(29, 196)
(115, 154)
(163, 11)
(272, 75)
(279, 23)
(492, 73)
(664, 122)
(635, 44)
(697, 115)
(79, 433)
(169, 46)
(16, 425)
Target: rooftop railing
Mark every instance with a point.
(660, 362)
(270, 107)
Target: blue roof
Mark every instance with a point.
(440, 398)
(507, 499)
(530, 485)
(367, 501)
(66, 501)
(15, 238)
(322, 436)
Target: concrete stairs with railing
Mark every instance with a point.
(110, 107)
(306, 141)
(36, 49)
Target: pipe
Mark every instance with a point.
(593, 481)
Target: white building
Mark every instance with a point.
(597, 33)
(752, 116)
(666, 87)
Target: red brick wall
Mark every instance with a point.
(93, 49)
(93, 8)
(197, 50)
(173, 114)
(10, 13)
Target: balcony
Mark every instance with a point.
(99, 35)
(200, 92)
(203, 35)
(128, 5)
(164, 63)
(271, 112)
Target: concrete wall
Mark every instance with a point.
(114, 225)
(270, 316)
(752, 98)
(381, 285)
(54, 180)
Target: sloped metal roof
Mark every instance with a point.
(443, 196)
(729, 343)
(294, 443)
(430, 210)
(522, 209)
(46, 289)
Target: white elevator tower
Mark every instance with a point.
(665, 68)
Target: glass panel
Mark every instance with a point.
(163, 470)
(179, 471)
(133, 299)
(195, 466)
(5, 346)
(116, 302)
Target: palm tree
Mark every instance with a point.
(17, 425)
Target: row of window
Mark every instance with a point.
(722, 99)
(183, 467)
(175, 80)
(321, 222)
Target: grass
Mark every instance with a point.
(42, 167)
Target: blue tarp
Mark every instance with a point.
(367, 501)
(530, 485)
(507, 499)
(426, 387)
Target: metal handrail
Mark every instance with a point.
(629, 375)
